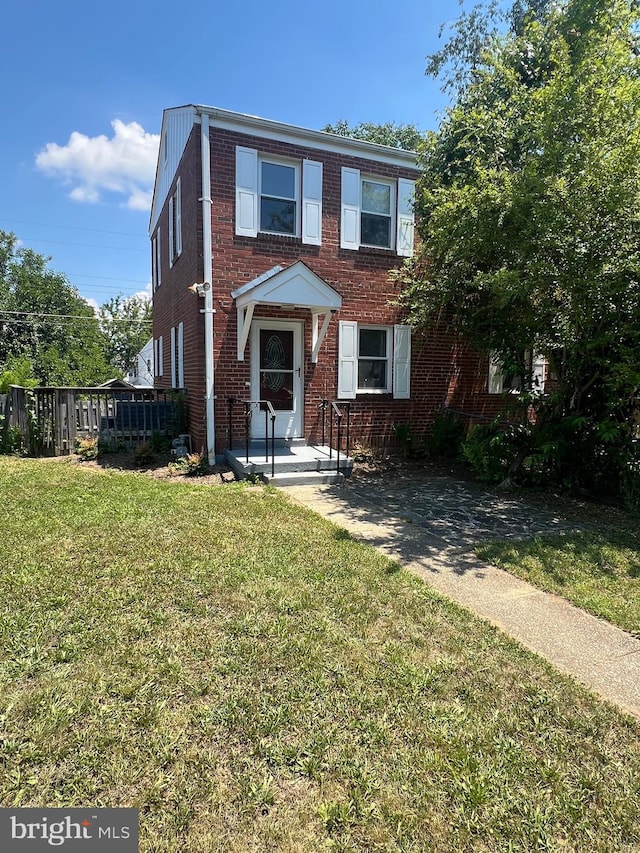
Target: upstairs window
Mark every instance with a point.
(376, 212)
(278, 198)
(175, 225)
(156, 266)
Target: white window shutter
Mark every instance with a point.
(406, 193)
(312, 202)
(158, 259)
(156, 368)
(495, 380)
(171, 232)
(347, 360)
(160, 357)
(246, 191)
(154, 271)
(350, 212)
(178, 204)
(401, 362)
(173, 356)
(180, 355)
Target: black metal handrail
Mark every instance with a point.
(336, 413)
(269, 412)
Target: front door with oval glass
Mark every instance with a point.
(276, 376)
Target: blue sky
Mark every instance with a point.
(85, 85)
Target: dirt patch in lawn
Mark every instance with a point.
(158, 468)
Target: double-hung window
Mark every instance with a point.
(503, 381)
(373, 360)
(156, 266)
(175, 225)
(278, 196)
(376, 212)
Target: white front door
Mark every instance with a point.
(276, 376)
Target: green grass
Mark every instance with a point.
(251, 678)
(598, 570)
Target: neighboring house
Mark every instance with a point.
(290, 235)
(141, 372)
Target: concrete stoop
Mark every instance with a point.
(296, 464)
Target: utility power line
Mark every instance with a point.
(67, 316)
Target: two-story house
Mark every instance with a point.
(271, 252)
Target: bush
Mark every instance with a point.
(495, 451)
(10, 439)
(192, 465)
(87, 448)
(143, 454)
(447, 434)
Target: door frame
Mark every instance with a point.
(289, 424)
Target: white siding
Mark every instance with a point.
(177, 125)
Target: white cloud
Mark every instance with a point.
(146, 293)
(124, 164)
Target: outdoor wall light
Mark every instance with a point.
(199, 289)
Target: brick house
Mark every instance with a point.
(271, 251)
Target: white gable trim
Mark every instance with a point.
(297, 286)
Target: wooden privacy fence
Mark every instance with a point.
(50, 419)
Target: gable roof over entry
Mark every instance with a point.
(297, 287)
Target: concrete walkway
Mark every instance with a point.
(431, 525)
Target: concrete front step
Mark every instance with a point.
(304, 478)
(295, 463)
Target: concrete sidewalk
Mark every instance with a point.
(431, 526)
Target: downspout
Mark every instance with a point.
(208, 293)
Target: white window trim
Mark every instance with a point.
(308, 195)
(154, 264)
(402, 214)
(398, 361)
(160, 356)
(180, 342)
(292, 164)
(158, 259)
(387, 358)
(173, 358)
(496, 378)
(384, 182)
(175, 225)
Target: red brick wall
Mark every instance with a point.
(443, 372)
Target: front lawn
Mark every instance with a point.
(251, 678)
(598, 570)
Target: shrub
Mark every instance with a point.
(192, 465)
(87, 448)
(497, 451)
(143, 454)
(447, 434)
(10, 439)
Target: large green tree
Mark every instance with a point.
(406, 136)
(529, 216)
(48, 333)
(126, 323)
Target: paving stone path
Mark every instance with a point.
(456, 512)
(431, 526)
